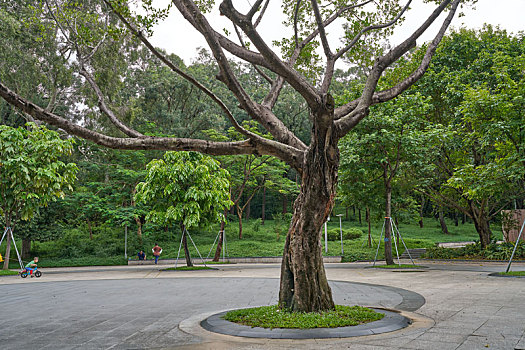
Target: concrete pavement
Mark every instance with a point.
(141, 307)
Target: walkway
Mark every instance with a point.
(141, 307)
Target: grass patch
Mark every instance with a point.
(512, 273)
(402, 266)
(188, 268)
(215, 262)
(273, 317)
(8, 272)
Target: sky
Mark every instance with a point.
(176, 36)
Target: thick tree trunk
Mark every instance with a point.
(388, 226)
(304, 286)
(218, 251)
(185, 246)
(482, 225)
(26, 248)
(444, 228)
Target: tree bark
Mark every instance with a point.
(304, 286)
(444, 228)
(239, 216)
(248, 209)
(359, 211)
(285, 204)
(139, 228)
(26, 248)
(481, 222)
(185, 246)
(218, 251)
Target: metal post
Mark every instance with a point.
(197, 249)
(341, 231)
(224, 246)
(395, 243)
(3, 236)
(213, 245)
(16, 249)
(379, 243)
(515, 246)
(325, 238)
(126, 241)
(403, 241)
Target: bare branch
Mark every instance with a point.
(260, 71)
(369, 28)
(320, 28)
(263, 11)
(295, 15)
(254, 9)
(103, 106)
(346, 123)
(298, 82)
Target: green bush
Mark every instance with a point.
(473, 251)
(348, 234)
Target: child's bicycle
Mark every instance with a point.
(24, 273)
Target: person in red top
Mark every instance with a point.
(156, 252)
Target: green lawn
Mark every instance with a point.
(8, 272)
(107, 245)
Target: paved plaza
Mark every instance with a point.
(453, 305)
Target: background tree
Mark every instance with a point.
(31, 173)
(304, 286)
(184, 188)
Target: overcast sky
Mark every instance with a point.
(176, 36)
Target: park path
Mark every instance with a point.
(141, 307)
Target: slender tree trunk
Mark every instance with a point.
(369, 227)
(346, 212)
(388, 226)
(90, 229)
(8, 247)
(463, 219)
(139, 228)
(185, 246)
(218, 251)
(26, 248)
(421, 207)
(239, 216)
(444, 228)
(353, 211)
(456, 220)
(263, 207)
(359, 211)
(304, 286)
(285, 204)
(248, 209)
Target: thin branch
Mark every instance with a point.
(369, 28)
(320, 28)
(295, 16)
(261, 73)
(352, 118)
(263, 11)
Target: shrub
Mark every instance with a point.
(348, 234)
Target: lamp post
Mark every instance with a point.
(326, 235)
(341, 232)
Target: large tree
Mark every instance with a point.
(92, 30)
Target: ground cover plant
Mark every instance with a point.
(188, 268)
(8, 272)
(512, 273)
(493, 251)
(273, 317)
